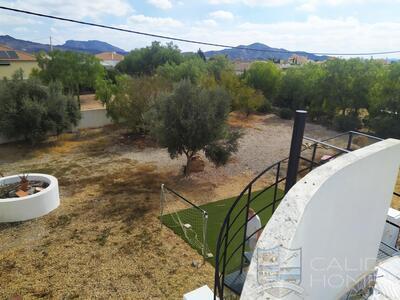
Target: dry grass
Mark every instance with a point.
(104, 240)
(89, 102)
(238, 119)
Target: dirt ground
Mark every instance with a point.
(104, 241)
(89, 102)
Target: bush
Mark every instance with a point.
(244, 98)
(346, 122)
(286, 113)
(131, 98)
(385, 125)
(265, 108)
(31, 110)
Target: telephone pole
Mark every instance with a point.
(51, 45)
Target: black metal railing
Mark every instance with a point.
(232, 239)
(386, 250)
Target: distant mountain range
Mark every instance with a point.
(92, 46)
(263, 52)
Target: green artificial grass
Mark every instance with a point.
(217, 212)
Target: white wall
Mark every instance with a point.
(93, 118)
(336, 215)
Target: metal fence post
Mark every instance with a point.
(205, 221)
(295, 148)
(349, 141)
(245, 228)
(162, 199)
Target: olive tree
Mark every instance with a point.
(31, 110)
(191, 119)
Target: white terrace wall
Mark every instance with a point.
(92, 118)
(336, 216)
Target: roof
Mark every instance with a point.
(9, 54)
(110, 56)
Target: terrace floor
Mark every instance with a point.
(104, 240)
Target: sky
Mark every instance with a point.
(333, 26)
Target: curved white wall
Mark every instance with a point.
(336, 216)
(32, 206)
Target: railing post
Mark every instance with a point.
(349, 141)
(162, 200)
(245, 229)
(295, 148)
(205, 221)
(276, 186)
(313, 156)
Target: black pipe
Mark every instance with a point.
(295, 148)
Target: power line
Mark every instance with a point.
(187, 40)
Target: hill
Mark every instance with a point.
(92, 46)
(265, 52)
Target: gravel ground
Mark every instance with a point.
(265, 140)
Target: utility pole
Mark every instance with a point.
(51, 45)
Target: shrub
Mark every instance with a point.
(266, 107)
(346, 122)
(286, 113)
(244, 98)
(31, 110)
(385, 125)
(131, 98)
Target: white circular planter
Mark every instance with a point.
(32, 206)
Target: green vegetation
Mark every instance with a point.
(345, 94)
(166, 62)
(31, 110)
(131, 98)
(75, 70)
(191, 119)
(216, 213)
(384, 109)
(144, 61)
(264, 76)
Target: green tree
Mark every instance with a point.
(201, 54)
(131, 98)
(384, 111)
(217, 65)
(145, 61)
(75, 70)
(193, 68)
(191, 119)
(300, 89)
(31, 110)
(244, 98)
(264, 76)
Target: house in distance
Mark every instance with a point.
(109, 59)
(12, 60)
